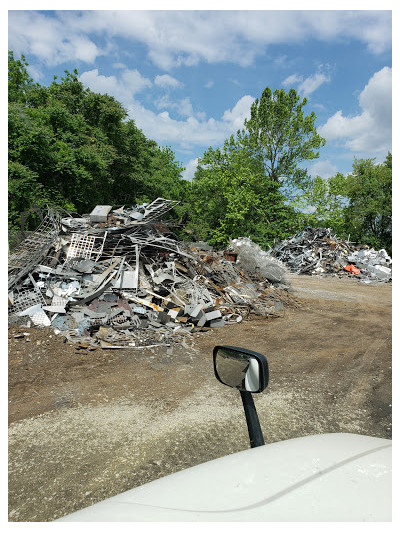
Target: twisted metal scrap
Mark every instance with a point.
(310, 249)
(32, 250)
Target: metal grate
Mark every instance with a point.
(86, 246)
(25, 299)
(30, 252)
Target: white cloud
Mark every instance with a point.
(293, 79)
(190, 169)
(163, 102)
(99, 83)
(377, 96)
(193, 130)
(371, 130)
(281, 60)
(183, 107)
(239, 113)
(49, 39)
(34, 72)
(123, 89)
(189, 132)
(307, 86)
(234, 81)
(167, 81)
(135, 81)
(175, 38)
(324, 169)
(190, 129)
(311, 84)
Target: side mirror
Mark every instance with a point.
(240, 369)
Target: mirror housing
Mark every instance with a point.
(240, 369)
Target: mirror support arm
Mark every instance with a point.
(253, 424)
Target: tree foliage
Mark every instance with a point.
(368, 216)
(19, 80)
(243, 189)
(232, 197)
(73, 148)
(323, 202)
(280, 136)
(359, 204)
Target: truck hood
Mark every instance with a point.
(323, 478)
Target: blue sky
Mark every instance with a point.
(188, 78)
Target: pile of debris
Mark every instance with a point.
(251, 258)
(372, 264)
(319, 251)
(120, 278)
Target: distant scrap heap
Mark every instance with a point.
(319, 251)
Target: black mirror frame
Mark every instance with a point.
(262, 360)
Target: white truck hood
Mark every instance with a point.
(323, 478)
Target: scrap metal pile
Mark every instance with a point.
(120, 278)
(319, 251)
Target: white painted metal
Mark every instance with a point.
(100, 213)
(322, 478)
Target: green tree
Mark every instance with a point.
(358, 204)
(71, 147)
(323, 201)
(368, 215)
(19, 80)
(246, 187)
(232, 197)
(280, 136)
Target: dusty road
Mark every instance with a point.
(88, 425)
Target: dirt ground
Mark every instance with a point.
(86, 425)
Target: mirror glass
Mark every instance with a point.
(238, 369)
